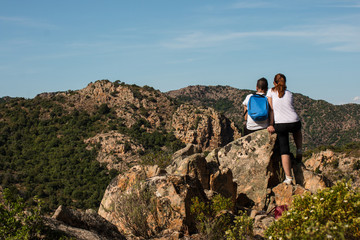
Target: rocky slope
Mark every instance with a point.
(323, 123)
(148, 110)
(245, 170)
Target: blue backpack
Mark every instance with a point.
(258, 107)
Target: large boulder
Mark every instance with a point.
(163, 200)
(195, 166)
(81, 225)
(203, 126)
(121, 184)
(210, 175)
(250, 159)
(309, 179)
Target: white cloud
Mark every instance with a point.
(25, 22)
(203, 40)
(356, 99)
(354, 5)
(342, 38)
(250, 4)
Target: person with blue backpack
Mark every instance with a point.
(256, 108)
(284, 120)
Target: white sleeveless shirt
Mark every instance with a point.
(284, 111)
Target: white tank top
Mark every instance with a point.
(284, 111)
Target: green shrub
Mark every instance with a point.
(211, 217)
(332, 213)
(160, 158)
(242, 228)
(23, 220)
(17, 221)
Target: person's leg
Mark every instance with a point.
(297, 135)
(298, 143)
(286, 163)
(283, 137)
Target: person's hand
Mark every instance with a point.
(271, 129)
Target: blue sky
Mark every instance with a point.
(48, 45)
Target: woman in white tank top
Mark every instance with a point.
(284, 120)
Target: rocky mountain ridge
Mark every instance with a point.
(323, 123)
(148, 108)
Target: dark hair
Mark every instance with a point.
(262, 84)
(280, 87)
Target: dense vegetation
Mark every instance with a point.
(48, 157)
(43, 153)
(332, 213)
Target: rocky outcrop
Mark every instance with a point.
(309, 179)
(203, 126)
(336, 166)
(169, 200)
(117, 150)
(126, 109)
(82, 225)
(129, 102)
(249, 159)
(245, 170)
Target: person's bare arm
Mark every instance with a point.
(271, 128)
(245, 113)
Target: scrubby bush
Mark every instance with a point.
(23, 220)
(135, 207)
(332, 213)
(15, 223)
(241, 229)
(160, 158)
(211, 217)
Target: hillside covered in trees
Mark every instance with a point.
(43, 151)
(66, 147)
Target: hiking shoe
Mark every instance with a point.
(288, 181)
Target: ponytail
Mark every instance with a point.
(280, 86)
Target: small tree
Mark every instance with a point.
(135, 207)
(242, 229)
(212, 220)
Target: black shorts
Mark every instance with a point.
(282, 130)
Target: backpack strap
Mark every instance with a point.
(260, 95)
